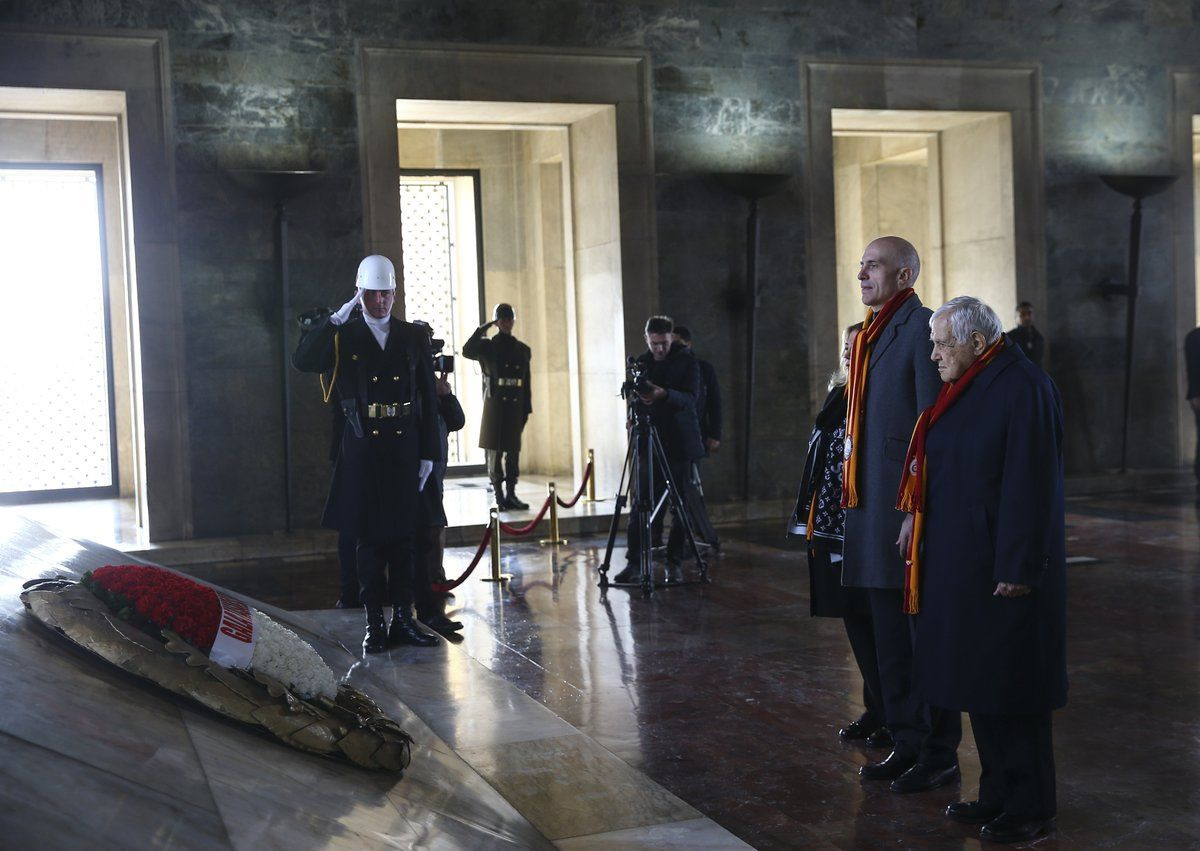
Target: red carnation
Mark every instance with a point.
(164, 599)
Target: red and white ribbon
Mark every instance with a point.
(234, 645)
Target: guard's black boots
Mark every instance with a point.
(377, 635)
(404, 631)
(501, 500)
(512, 500)
(441, 624)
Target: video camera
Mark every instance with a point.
(441, 363)
(636, 382)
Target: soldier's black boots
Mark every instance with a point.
(501, 500)
(404, 631)
(377, 635)
(514, 503)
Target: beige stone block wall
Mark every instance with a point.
(977, 208)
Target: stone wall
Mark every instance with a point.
(271, 85)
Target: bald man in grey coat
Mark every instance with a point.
(901, 382)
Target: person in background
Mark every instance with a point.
(432, 522)
(1025, 335)
(820, 519)
(1191, 356)
(507, 402)
(708, 410)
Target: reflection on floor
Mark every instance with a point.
(730, 695)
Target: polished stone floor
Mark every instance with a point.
(93, 757)
(723, 701)
(730, 695)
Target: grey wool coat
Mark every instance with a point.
(901, 382)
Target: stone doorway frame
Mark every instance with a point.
(134, 63)
(1015, 88)
(390, 72)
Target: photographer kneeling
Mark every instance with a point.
(669, 388)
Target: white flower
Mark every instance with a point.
(280, 653)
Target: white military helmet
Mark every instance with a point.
(376, 272)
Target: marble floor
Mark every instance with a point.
(730, 695)
(612, 721)
(93, 757)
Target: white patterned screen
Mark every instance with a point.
(55, 427)
(427, 228)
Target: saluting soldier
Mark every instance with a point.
(507, 403)
(382, 380)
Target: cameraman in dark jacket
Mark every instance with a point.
(670, 388)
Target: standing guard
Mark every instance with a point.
(382, 379)
(507, 403)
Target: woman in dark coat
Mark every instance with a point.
(820, 519)
(991, 578)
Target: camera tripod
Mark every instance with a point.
(644, 460)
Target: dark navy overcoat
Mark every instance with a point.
(994, 513)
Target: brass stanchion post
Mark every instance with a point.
(494, 522)
(554, 540)
(591, 465)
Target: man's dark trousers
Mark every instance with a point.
(1017, 756)
(931, 735)
(861, 633)
(503, 466)
(680, 469)
(385, 569)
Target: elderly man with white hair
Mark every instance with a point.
(986, 565)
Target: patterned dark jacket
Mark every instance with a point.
(822, 477)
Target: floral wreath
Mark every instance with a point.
(200, 642)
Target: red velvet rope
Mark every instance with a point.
(443, 587)
(518, 531)
(515, 531)
(587, 474)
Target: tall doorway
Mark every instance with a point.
(57, 414)
(441, 226)
(942, 180)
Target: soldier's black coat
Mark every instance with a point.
(373, 495)
(505, 409)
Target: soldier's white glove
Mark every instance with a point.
(423, 471)
(346, 309)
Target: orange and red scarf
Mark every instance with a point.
(856, 389)
(915, 480)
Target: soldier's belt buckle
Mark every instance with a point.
(376, 410)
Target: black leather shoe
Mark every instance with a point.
(856, 730)
(1006, 828)
(881, 738)
(922, 778)
(896, 764)
(972, 812)
(674, 573)
(628, 576)
(404, 631)
(376, 640)
(516, 504)
(442, 625)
